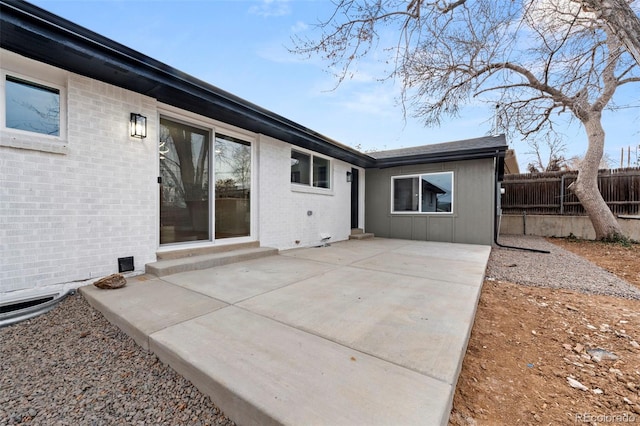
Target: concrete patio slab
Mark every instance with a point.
(362, 332)
(239, 281)
(432, 268)
(146, 305)
(450, 251)
(409, 321)
(377, 244)
(347, 252)
(266, 373)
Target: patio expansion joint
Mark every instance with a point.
(226, 304)
(319, 274)
(193, 291)
(340, 265)
(187, 320)
(418, 276)
(344, 345)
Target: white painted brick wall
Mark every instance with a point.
(283, 211)
(68, 217)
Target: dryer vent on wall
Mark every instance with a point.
(125, 264)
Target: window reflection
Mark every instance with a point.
(184, 192)
(426, 193)
(233, 187)
(32, 107)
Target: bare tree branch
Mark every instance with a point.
(534, 58)
(621, 20)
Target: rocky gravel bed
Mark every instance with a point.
(559, 269)
(70, 366)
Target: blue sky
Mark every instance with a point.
(241, 47)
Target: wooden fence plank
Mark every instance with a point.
(549, 193)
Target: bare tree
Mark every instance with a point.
(573, 163)
(621, 20)
(551, 145)
(616, 14)
(537, 58)
(192, 167)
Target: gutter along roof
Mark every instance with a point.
(40, 35)
(468, 149)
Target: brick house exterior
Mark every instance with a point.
(72, 204)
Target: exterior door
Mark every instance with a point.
(354, 198)
(184, 183)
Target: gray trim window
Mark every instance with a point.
(31, 107)
(311, 170)
(430, 193)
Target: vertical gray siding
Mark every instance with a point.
(473, 205)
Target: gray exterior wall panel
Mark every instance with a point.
(420, 228)
(472, 221)
(401, 227)
(441, 229)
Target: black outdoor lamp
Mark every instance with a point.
(138, 125)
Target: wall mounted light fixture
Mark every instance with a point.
(138, 125)
(349, 176)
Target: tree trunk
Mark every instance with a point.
(586, 186)
(621, 19)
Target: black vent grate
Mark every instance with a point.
(125, 264)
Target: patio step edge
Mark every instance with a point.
(204, 261)
(243, 410)
(197, 251)
(362, 236)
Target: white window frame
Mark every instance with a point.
(26, 139)
(303, 187)
(419, 176)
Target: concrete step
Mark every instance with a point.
(356, 231)
(181, 253)
(202, 261)
(361, 236)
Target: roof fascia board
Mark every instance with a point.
(383, 163)
(96, 48)
(132, 70)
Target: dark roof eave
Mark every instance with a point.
(383, 163)
(40, 35)
(35, 33)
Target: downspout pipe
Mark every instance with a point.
(496, 225)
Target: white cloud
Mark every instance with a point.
(271, 8)
(299, 27)
(278, 53)
(558, 15)
(375, 100)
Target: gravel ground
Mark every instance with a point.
(70, 366)
(560, 269)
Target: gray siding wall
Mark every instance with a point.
(471, 222)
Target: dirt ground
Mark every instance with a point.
(620, 260)
(528, 344)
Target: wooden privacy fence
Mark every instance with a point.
(549, 193)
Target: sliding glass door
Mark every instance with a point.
(233, 187)
(186, 186)
(184, 183)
